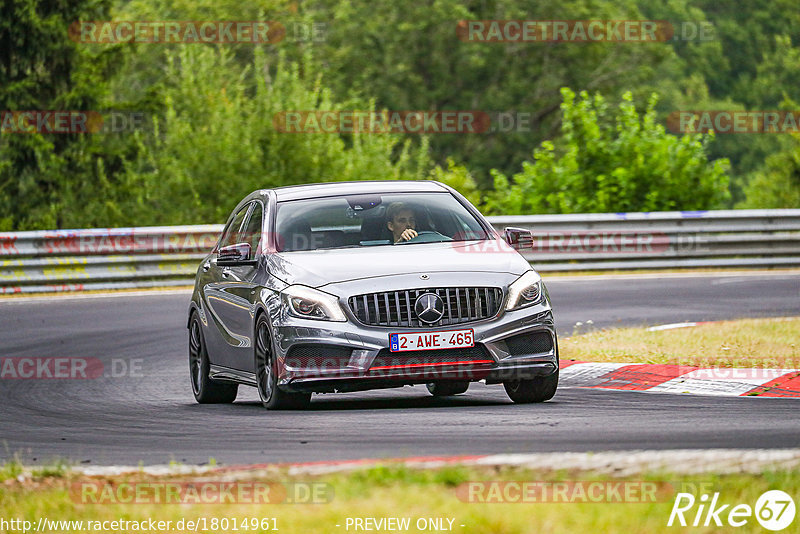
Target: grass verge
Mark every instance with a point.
(746, 343)
(420, 495)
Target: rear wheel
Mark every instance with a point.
(539, 389)
(272, 397)
(447, 388)
(206, 390)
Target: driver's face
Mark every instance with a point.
(403, 220)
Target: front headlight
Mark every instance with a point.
(525, 291)
(309, 303)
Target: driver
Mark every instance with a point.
(401, 221)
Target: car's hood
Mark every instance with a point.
(319, 267)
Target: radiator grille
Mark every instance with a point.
(396, 308)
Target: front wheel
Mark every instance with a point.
(272, 397)
(206, 390)
(539, 389)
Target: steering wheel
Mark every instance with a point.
(427, 236)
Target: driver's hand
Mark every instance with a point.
(408, 235)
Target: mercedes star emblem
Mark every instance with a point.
(429, 308)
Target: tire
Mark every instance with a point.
(538, 389)
(206, 391)
(447, 388)
(272, 397)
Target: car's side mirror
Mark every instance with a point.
(238, 254)
(519, 239)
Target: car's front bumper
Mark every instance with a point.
(348, 356)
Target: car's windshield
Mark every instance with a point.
(374, 220)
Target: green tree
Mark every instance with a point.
(216, 141)
(612, 159)
(750, 62)
(41, 69)
(409, 56)
(777, 184)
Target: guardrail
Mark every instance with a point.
(114, 258)
(662, 240)
(74, 260)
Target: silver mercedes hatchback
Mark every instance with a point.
(352, 286)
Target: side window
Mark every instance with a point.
(252, 232)
(232, 233)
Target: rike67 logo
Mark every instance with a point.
(774, 510)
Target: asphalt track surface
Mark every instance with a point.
(152, 417)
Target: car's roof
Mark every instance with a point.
(298, 192)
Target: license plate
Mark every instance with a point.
(449, 339)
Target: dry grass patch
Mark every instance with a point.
(756, 343)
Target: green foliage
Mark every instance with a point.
(41, 69)
(54, 469)
(366, 481)
(11, 469)
(777, 185)
(408, 57)
(750, 63)
(459, 178)
(612, 159)
(216, 141)
(211, 138)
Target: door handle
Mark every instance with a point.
(206, 266)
